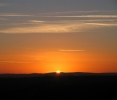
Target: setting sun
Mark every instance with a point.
(58, 71)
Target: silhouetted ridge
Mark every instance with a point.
(61, 74)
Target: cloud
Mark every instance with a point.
(63, 50)
(53, 28)
(36, 21)
(103, 24)
(85, 11)
(14, 62)
(68, 12)
(14, 15)
(58, 27)
(86, 16)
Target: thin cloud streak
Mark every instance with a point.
(14, 62)
(43, 28)
(58, 27)
(103, 24)
(62, 50)
(36, 21)
(14, 15)
(85, 11)
(86, 16)
(39, 22)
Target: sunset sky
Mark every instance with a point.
(41, 36)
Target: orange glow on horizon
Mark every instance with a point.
(46, 62)
(58, 72)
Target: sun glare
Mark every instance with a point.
(58, 71)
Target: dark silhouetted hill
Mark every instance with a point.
(54, 74)
(77, 86)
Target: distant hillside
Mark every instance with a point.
(54, 74)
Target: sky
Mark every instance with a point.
(41, 36)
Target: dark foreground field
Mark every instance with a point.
(52, 86)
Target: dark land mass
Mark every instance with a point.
(76, 86)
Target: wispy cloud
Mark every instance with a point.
(67, 12)
(53, 28)
(36, 21)
(103, 24)
(85, 11)
(63, 50)
(14, 15)
(14, 62)
(58, 27)
(80, 23)
(86, 16)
